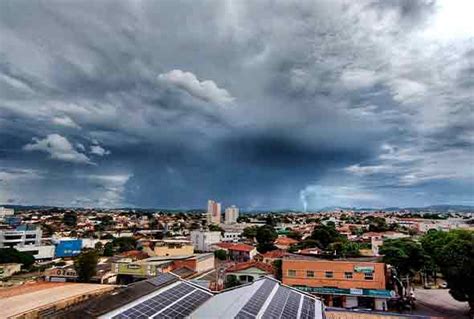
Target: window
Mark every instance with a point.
(309, 273)
(369, 276)
(291, 273)
(348, 275)
(329, 274)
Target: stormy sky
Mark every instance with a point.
(262, 104)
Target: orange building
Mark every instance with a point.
(341, 283)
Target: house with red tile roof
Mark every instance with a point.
(238, 251)
(248, 271)
(285, 242)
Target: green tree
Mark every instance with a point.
(220, 254)
(325, 235)
(406, 255)
(124, 244)
(213, 227)
(266, 236)
(250, 232)
(344, 248)
(11, 255)
(453, 254)
(70, 219)
(294, 235)
(108, 250)
(86, 265)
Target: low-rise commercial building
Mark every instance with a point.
(341, 283)
(129, 271)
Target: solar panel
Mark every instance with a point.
(307, 310)
(275, 308)
(253, 306)
(185, 306)
(162, 279)
(155, 304)
(292, 305)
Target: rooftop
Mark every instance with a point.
(236, 246)
(250, 264)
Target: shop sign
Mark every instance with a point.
(364, 269)
(349, 292)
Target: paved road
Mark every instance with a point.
(438, 302)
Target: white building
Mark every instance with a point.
(4, 212)
(28, 240)
(231, 214)
(202, 240)
(230, 236)
(20, 237)
(213, 212)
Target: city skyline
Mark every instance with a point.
(267, 105)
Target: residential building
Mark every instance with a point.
(285, 242)
(202, 240)
(248, 271)
(341, 283)
(238, 251)
(213, 212)
(231, 214)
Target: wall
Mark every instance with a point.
(338, 268)
(173, 250)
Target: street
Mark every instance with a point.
(438, 302)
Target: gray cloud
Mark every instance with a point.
(268, 98)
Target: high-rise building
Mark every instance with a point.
(231, 214)
(213, 212)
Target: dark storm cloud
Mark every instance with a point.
(261, 104)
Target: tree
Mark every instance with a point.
(11, 255)
(70, 219)
(213, 227)
(406, 255)
(345, 248)
(250, 232)
(294, 235)
(108, 250)
(266, 236)
(325, 235)
(377, 224)
(220, 254)
(99, 247)
(124, 243)
(86, 265)
(453, 254)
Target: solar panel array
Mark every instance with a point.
(185, 306)
(284, 304)
(307, 310)
(152, 306)
(253, 306)
(162, 279)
